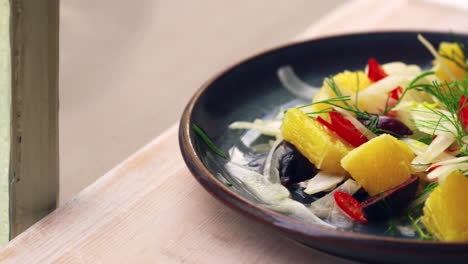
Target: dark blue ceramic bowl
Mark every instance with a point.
(250, 89)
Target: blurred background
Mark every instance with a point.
(129, 67)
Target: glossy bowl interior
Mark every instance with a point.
(251, 89)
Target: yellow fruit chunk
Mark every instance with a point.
(353, 81)
(446, 209)
(319, 145)
(348, 83)
(379, 164)
(322, 95)
(455, 54)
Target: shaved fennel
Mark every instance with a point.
(294, 84)
(323, 206)
(322, 182)
(437, 146)
(385, 85)
(420, 148)
(274, 195)
(271, 170)
(442, 172)
(401, 69)
(436, 55)
(266, 127)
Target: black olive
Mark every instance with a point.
(361, 195)
(386, 124)
(391, 203)
(294, 167)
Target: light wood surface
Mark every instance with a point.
(149, 209)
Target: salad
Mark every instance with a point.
(387, 145)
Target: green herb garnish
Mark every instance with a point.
(419, 229)
(411, 85)
(392, 227)
(429, 188)
(344, 99)
(426, 139)
(208, 141)
(448, 96)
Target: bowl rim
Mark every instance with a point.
(295, 227)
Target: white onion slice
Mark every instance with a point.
(295, 85)
(323, 181)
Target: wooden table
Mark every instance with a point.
(149, 209)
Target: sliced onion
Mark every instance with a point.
(323, 181)
(295, 85)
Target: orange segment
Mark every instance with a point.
(352, 81)
(446, 209)
(349, 82)
(319, 145)
(379, 164)
(455, 54)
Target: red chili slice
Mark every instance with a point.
(453, 148)
(396, 93)
(463, 114)
(325, 123)
(346, 130)
(433, 168)
(375, 71)
(350, 206)
(394, 96)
